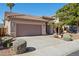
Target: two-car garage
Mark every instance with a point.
(28, 29)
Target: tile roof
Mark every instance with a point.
(29, 17)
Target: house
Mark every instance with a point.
(25, 25)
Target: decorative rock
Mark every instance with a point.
(19, 46)
(55, 36)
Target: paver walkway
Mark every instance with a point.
(49, 46)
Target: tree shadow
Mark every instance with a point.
(30, 49)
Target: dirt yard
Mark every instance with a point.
(6, 52)
(75, 36)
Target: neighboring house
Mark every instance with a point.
(25, 25)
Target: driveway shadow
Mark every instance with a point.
(30, 49)
(74, 53)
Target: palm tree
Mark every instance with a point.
(10, 5)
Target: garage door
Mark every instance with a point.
(28, 29)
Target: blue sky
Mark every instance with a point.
(36, 9)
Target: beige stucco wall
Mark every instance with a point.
(27, 22)
(12, 25)
(43, 28)
(8, 26)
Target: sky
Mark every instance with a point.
(35, 9)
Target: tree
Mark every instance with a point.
(69, 14)
(10, 5)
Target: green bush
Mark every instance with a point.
(67, 37)
(7, 41)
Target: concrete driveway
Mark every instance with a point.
(49, 46)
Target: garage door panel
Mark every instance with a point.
(28, 29)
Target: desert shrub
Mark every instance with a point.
(67, 37)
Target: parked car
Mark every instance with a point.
(73, 29)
